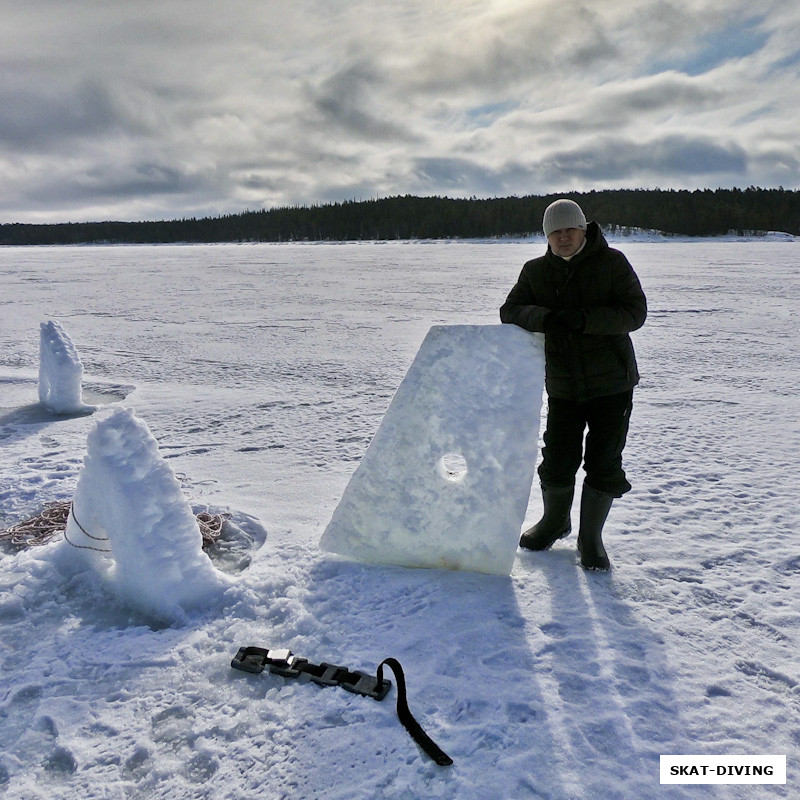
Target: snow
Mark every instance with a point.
(441, 484)
(263, 372)
(624, 235)
(132, 524)
(60, 371)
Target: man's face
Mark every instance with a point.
(566, 241)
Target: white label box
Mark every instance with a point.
(723, 769)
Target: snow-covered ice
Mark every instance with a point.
(263, 372)
(132, 524)
(445, 481)
(60, 371)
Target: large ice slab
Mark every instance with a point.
(131, 520)
(60, 371)
(446, 480)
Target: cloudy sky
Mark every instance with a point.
(152, 109)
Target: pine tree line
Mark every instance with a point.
(679, 212)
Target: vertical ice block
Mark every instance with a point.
(60, 371)
(447, 478)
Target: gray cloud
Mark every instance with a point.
(679, 157)
(443, 175)
(671, 91)
(349, 99)
(45, 118)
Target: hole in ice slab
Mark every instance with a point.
(453, 467)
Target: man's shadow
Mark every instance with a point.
(614, 702)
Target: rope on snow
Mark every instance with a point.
(211, 527)
(40, 529)
(46, 526)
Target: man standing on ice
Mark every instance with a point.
(586, 299)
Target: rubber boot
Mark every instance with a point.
(595, 506)
(555, 522)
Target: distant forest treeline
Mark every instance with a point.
(681, 212)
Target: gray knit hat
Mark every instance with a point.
(563, 214)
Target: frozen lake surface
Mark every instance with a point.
(263, 371)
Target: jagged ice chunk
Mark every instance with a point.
(132, 521)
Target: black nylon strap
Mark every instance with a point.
(407, 718)
(285, 663)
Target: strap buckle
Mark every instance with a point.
(257, 659)
(251, 659)
(354, 681)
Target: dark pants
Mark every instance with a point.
(607, 420)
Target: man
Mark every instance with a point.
(586, 299)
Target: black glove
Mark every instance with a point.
(563, 322)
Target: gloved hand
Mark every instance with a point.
(562, 322)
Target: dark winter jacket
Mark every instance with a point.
(599, 281)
